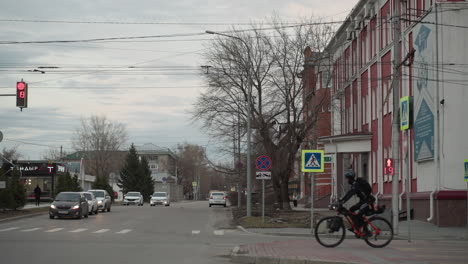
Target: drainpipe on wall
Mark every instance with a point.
(437, 126)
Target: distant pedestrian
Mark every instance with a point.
(37, 194)
(295, 198)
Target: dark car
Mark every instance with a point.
(69, 204)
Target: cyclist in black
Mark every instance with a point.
(363, 190)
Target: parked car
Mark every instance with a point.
(161, 198)
(92, 202)
(69, 204)
(217, 198)
(133, 198)
(103, 198)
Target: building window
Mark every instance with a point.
(326, 83)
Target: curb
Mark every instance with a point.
(10, 219)
(238, 257)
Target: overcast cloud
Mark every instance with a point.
(95, 78)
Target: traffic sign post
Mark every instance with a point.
(465, 177)
(263, 164)
(406, 124)
(312, 161)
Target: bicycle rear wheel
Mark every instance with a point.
(328, 235)
(382, 232)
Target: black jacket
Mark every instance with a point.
(362, 189)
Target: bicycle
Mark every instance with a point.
(376, 231)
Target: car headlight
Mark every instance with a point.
(76, 207)
(53, 206)
(99, 202)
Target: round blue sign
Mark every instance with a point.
(263, 163)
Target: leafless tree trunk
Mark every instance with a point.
(274, 60)
(99, 138)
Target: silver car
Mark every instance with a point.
(133, 198)
(161, 198)
(92, 202)
(103, 198)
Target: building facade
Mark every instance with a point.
(432, 65)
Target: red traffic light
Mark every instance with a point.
(388, 167)
(21, 94)
(20, 86)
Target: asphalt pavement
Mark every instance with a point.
(186, 232)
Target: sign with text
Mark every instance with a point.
(263, 175)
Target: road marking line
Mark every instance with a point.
(101, 231)
(219, 232)
(195, 232)
(54, 230)
(124, 231)
(30, 230)
(78, 230)
(8, 229)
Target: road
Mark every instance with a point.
(186, 232)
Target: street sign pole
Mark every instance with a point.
(465, 176)
(263, 201)
(408, 191)
(312, 161)
(312, 188)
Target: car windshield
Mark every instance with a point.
(133, 194)
(88, 196)
(98, 193)
(159, 195)
(73, 197)
(217, 194)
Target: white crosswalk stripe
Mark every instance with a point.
(54, 230)
(124, 231)
(78, 230)
(195, 232)
(219, 232)
(31, 229)
(8, 229)
(101, 231)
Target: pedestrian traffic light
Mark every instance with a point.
(388, 167)
(21, 95)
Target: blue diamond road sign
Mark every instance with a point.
(313, 161)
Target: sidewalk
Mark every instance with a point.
(419, 231)
(33, 205)
(308, 251)
(429, 244)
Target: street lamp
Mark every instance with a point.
(249, 169)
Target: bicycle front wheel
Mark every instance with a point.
(382, 232)
(330, 231)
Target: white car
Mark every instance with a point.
(161, 198)
(92, 202)
(133, 198)
(217, 198)
(103, 198)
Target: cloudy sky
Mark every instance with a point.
(149, 84)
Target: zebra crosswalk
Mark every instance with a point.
(63, 230)
(50, 230)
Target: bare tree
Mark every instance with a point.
(11, 153)
(99, 139)
(273, 64)
(53, 154)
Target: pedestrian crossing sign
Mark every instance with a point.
(313, 161)
(465, 176)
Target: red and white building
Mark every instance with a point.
(436, 75)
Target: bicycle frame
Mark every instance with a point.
(347, 214)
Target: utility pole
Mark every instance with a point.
(395, 112)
